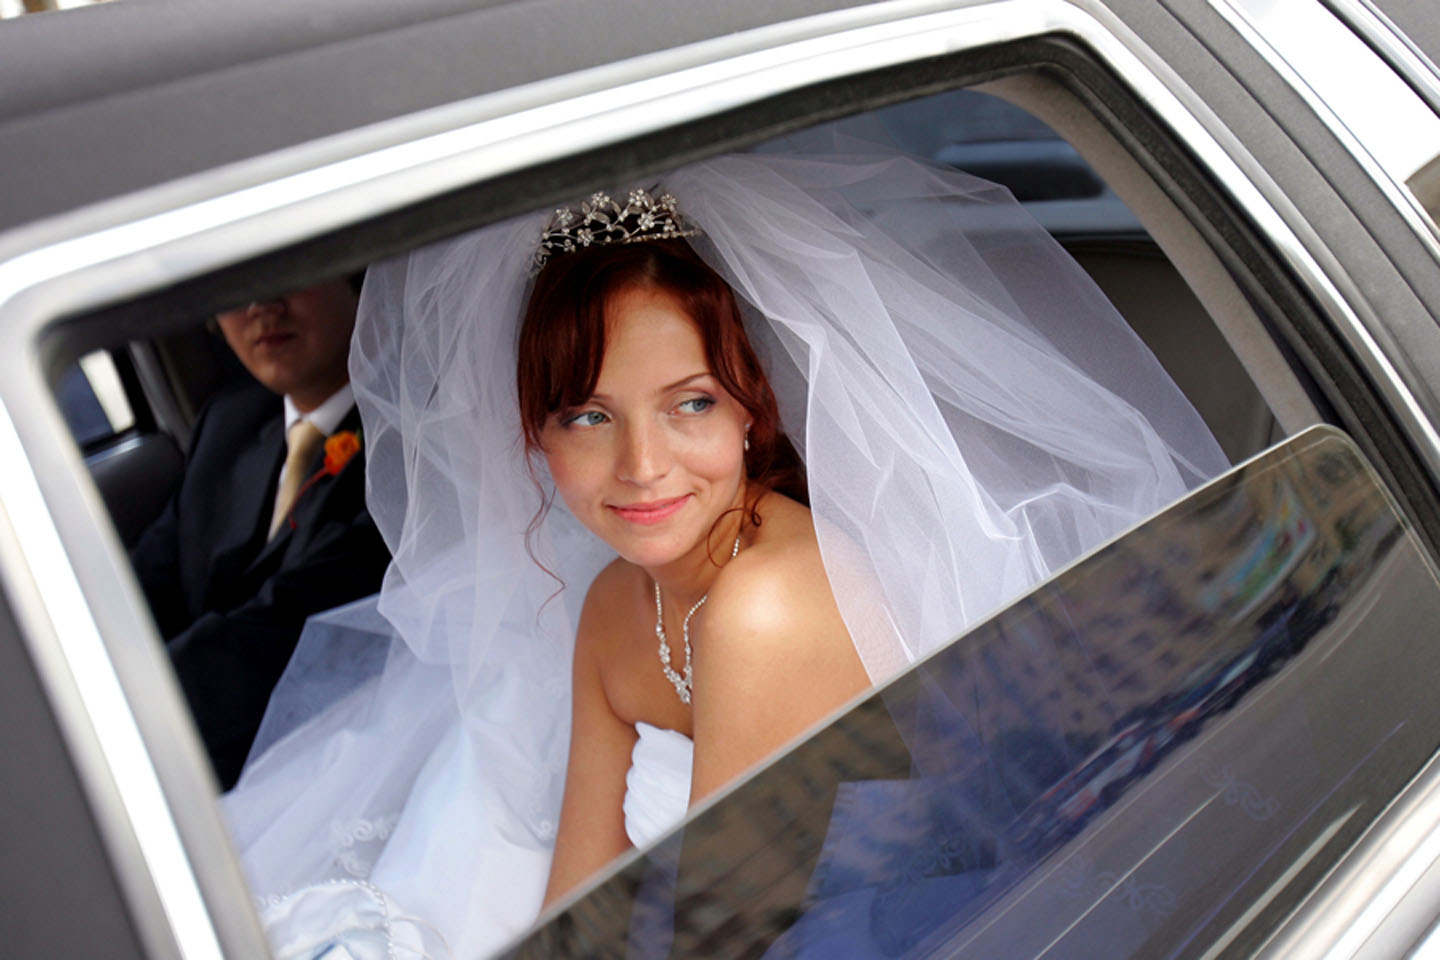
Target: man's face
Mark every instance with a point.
(297, 344)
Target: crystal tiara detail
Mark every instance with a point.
(601, 219)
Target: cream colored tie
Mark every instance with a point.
(301, 441)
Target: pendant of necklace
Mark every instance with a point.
(681, 681)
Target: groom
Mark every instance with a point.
(269, 523)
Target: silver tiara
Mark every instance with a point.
(602, 220)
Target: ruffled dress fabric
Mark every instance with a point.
(657, 786)
(346, 920)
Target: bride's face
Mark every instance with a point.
(656, 455)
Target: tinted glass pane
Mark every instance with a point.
(92, 399)
(83, 413)
(992, 139)
(104, 381)
(1153, 755)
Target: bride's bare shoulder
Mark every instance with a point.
(772, 656)
(777, 586)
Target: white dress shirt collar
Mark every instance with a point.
(325, 417)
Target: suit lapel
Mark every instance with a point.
(256, 471)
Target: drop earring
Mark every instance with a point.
(747, 438)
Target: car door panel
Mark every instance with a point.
(58, 894)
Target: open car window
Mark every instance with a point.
(1075, 701)
(1139, 758)
(1211, 349)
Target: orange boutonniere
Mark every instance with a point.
(339, 448)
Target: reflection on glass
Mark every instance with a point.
(1148, 756)
(92, 399)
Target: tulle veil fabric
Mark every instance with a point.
(972, 412)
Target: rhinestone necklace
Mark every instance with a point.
(682, 683)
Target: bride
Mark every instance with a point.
(970, 412)
(668, 447)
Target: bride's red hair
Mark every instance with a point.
(562, 345)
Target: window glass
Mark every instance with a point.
(998, 141)
(1055, 785)
(93, 399)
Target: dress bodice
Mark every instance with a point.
(657, 786)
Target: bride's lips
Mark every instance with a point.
(651, 512)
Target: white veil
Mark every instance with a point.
(972, 413)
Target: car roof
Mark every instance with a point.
(105, 100)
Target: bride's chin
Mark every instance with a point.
(650, 553)
(647, 557)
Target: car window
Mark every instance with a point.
(983, 134)
(971, 130)
(1133, 760)
(997, 141)
(92, 399)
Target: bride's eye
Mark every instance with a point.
(695, 405)
(585, 418)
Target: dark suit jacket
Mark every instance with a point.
(229, 604)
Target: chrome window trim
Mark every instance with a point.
(1408, 60)
(1390, 181)
(127, 247)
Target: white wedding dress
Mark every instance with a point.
(657, 785)
(357, 920)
